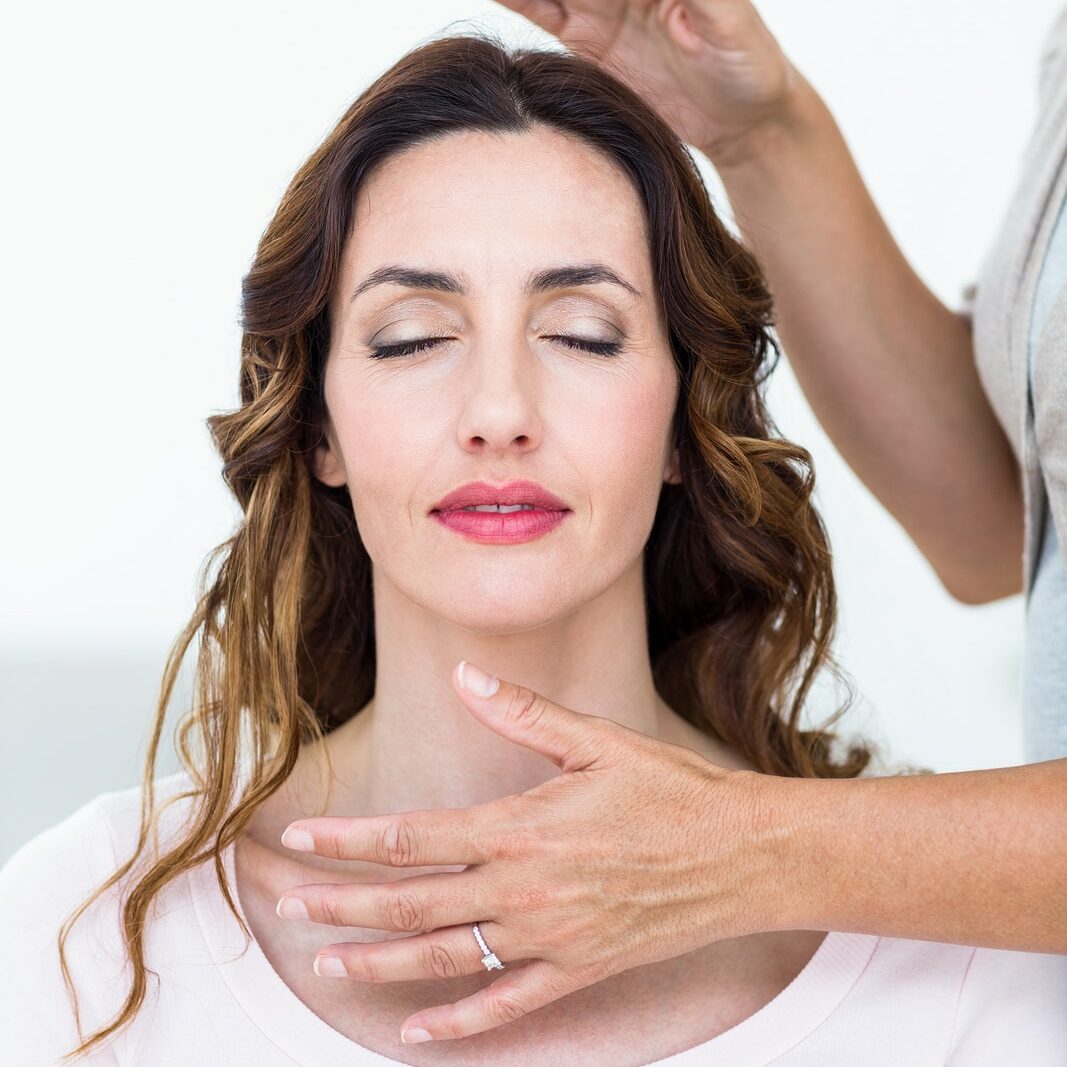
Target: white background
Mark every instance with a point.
(148, 145)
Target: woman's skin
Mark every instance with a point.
(973, 858)
(500, 397)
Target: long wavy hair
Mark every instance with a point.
(739, 586)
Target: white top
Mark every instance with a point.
(860, 1000)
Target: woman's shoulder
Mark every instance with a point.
(94, 831)
(42, 884)
(54, 871)
(52, 866)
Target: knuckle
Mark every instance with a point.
(332, 909)
(396, 844)
(524, 706)
(404, 911)
(450, 1028)
(333, 845)
(504, 1008)
(439, 961)
(363, 967)
(516, 841)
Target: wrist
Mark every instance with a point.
(792, 127)
(782, 816)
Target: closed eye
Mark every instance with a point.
(608, 349)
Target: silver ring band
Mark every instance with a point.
(489, 959)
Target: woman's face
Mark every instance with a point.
(498, 396)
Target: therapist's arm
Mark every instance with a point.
(887, 368)
(970, 858)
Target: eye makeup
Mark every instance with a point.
(607, 349)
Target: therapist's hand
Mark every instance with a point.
(710, 68)
(638, 851)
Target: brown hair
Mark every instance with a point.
(739, 585)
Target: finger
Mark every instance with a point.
(444, 837)
(572, 739)
(583, 32)
(548, 14)
(411, 905)
(503, 1001)
(446, 953)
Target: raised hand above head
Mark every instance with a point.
(711, 68)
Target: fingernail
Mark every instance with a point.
(477, 682)
(291, 908)
(414, 1034)
(298, 839)
(330, 967)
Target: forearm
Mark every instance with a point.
(887, 368)
(972, 858)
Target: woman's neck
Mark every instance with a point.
(415, 745)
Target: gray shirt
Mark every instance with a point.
(1045, 654)
(1020, 343)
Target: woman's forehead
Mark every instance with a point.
(536, 178)
(493, 207)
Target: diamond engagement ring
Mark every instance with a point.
(489, 959)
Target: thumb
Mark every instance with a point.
(569, 738)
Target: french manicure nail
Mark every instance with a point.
(298, 839)
(330, 967)
(291, 908)
(476, 681)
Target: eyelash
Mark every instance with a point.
(607, 349)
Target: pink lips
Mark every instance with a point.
(520, 492)
(548, 511)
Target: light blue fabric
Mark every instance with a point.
(1045, 649)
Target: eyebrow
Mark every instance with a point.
(541, 281)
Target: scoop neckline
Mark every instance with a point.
(812, 996)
